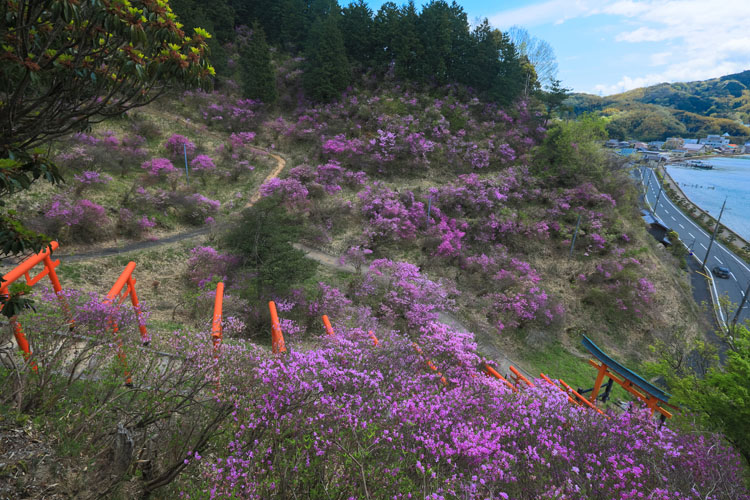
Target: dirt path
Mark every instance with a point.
(280, 165)
(146, 245)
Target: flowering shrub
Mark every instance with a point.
(206, 265)
(292, 192)
(237, 116)
(390, 215)
(92, 360)
(132, 226)
(301, 418)
(400, 292)
(88, 179)
(202, 164)
(196, 208)
(619, 289)
(159, 168)
(79, 220)
(177, 145)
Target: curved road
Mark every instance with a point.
(697, 239)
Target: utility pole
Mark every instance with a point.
(742, 304)
(656, 203)
(713, 236)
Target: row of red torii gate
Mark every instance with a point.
(653, 397)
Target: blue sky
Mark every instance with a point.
(609, 46)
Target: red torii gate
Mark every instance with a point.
(22, 270)
(123, 288)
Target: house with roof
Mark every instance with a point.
(656, 227)
(654, 156)
(695, 149)
(715, 140)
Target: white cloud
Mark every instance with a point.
(706, 39)
(661, 58)
(698, 39)
(549, 12)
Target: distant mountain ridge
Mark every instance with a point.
(691, 109)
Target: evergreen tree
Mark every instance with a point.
(408, 49)
(358, 30)
(218, 20)
(293, 30)
(461, 44)
(435, 38)
(509, 81)
(258, 79)
(263, 237)
(327, 68)
(385, 30)
(482, 58)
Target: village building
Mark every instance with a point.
(715, 141)
(695, 149)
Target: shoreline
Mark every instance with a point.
(698, 214)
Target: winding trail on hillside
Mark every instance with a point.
(187, 235)
(280, 165)
(502, 362)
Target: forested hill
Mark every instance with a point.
(435, 45)
(689, 109)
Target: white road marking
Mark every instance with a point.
(704, 246)
(733, 276)
(691, 235)
(673, 219)
(720, 262)
(683, 227)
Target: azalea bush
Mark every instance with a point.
(355, 420)
(68, 218)
(618, 288)
(133, 226)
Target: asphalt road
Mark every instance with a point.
(698, 241)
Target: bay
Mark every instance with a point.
(730, 179)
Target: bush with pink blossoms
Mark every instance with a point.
(618, 290)
(79, 220)
(177, 145)
(133, 226)
(159, 168)
(202, 164)
(195, 208)
(392, 215)
(352, 421)
(292, 192)
(206, 265)
(79, 373)
(400, 294)
(89, 179)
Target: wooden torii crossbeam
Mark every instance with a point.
(654, 398)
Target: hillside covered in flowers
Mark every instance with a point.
(440, 223)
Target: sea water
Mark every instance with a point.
(730, 179)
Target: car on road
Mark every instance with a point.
(721, 272)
